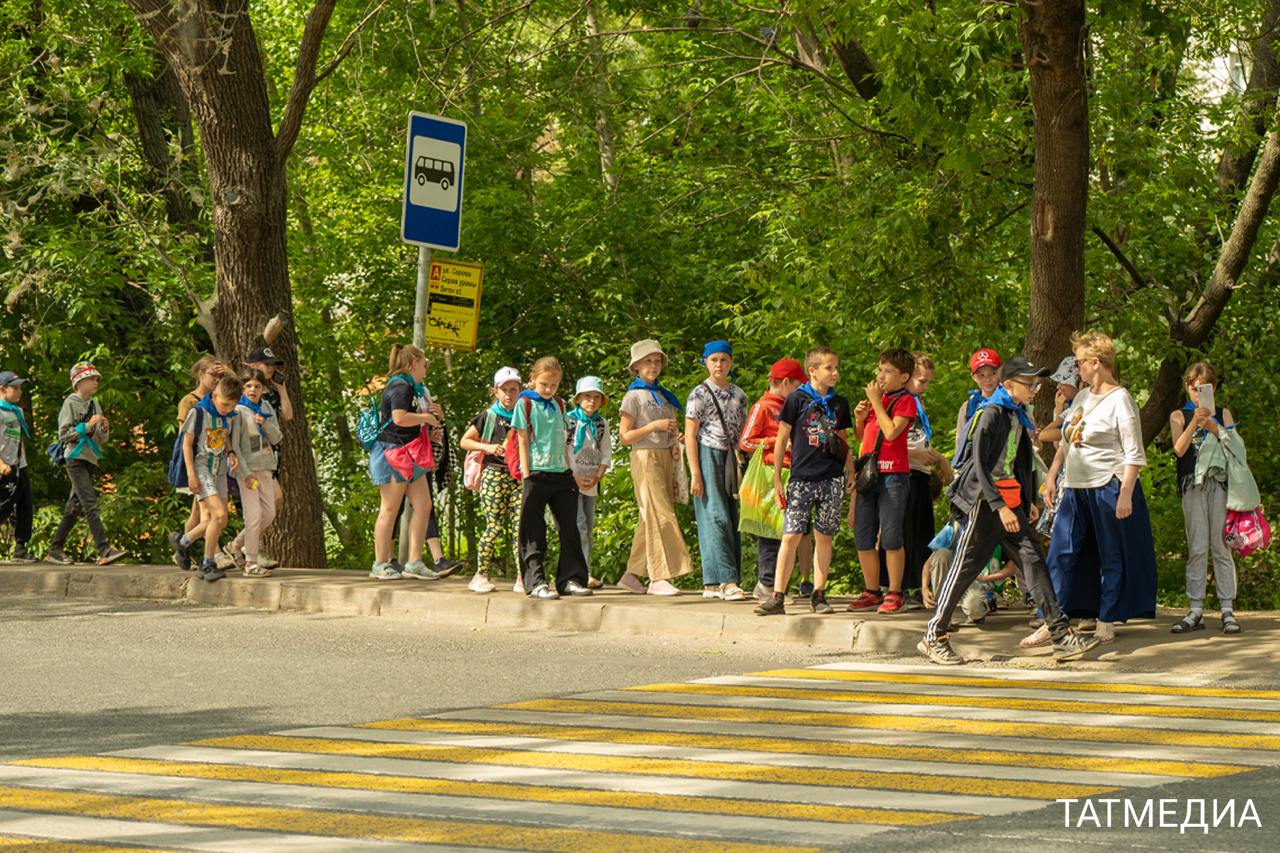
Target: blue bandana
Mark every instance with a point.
(497, 409)
(923, 418)
(713, 347)
(823, 401)
(546, 402)
(16, 410)
(584, 424)
(206, 403)
(256, 408)
(659, 392)
(975, 402)
(1000, 397)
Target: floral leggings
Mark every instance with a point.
(500, 505)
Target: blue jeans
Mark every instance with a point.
(717, 516)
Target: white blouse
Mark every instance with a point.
(1110, 438)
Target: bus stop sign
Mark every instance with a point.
(434, 152)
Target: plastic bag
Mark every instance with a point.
(758, 512)
(681, 493)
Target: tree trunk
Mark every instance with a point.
(1053, 33)
(213, 50)
(1264, 80)
(600, 89)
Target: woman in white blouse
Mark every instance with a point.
(1102, 555)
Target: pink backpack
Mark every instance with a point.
(1247, 532)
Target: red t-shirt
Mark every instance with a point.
(893, 454)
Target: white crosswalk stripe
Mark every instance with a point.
(835, 753)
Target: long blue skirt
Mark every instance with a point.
(1102, 567)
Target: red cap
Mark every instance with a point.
(984, 358)
(786, 368)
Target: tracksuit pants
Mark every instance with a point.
(980, 532)
(559, 491)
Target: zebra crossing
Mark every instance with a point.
(782, 760)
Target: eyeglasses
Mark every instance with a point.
(1034, 386)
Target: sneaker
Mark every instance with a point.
(761, 593)
(381, 571)
(111, 555)
(577, 589)
(806, 588)
(774, 605)
(223, 561)
(445, 567)
(867, 601)
(1087, 625)
(22, 555)
(481, 583)
(267, 562)
(55, 555)
(1073, 645)
(661, 587)
(732, 592)
(818, 602)
(1038, 637)
(912, 602)
(254, 570)
(892, 603)
(544, 591)
(939, 651)
(209, 570)
(181, 553)
(713, 592)
(594, 583)
(631, 583)
(418, 569)
(235, 555)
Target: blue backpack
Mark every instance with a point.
(177, 461)
(369, 422)
(57, 452)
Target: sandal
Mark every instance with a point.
(1193, 622)
(1230, 625)
(1039, 637)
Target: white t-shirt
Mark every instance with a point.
(1112, 439)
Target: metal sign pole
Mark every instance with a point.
(419, 341)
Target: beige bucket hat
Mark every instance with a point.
(643, 349)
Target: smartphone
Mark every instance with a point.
(1205, 395)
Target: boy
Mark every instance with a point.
(821, 473)
(994, 495)
(207, 440)
(15, 483)
(82, 429)
(984, 366)
(761, 431)
(877, 517)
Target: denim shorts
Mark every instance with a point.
(882, 512)
(381, 472)
(820, 499)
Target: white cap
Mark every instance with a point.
(505, 375)
(587, 385)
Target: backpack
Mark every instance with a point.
(369, 422)
(177, 460)
(511, 450)
(473, 466)
(1247, 532)
(57, 452)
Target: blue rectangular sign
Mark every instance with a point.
(434, 151)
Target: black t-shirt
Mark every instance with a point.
(497, 435)
(813, 439)
(398, 395)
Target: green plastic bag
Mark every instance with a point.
(758, 510)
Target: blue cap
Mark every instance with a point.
(9, 378)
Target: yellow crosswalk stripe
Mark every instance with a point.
(796, 746)
(1032, 684)
(497, 790)
(906, 723)
(38, 845)
(363, 826)
(1059, 706)
(666, 767)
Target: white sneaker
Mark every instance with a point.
(761, 593)
(631, 583)
(662, 587)
(481, 583)
(713, 592)
(732, 592)
(1038, 637)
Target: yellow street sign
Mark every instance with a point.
(453, 304)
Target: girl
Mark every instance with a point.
(713, 421)
(206, 371)
(259, 430)
(499, 491)
(539, 422)
(1204, 503)
(591, 452)
(647, 424)
(400, 461)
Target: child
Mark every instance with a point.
(83, 429)
(400, 461)
(1067, 378)
(984, 366)
(647, 424)
(208, 438)
(1204, 501)
(257, 432)
(761, 431)
(16, 504)
(591, 453)
(499, 491)
(821, 473)
(548, 481)
(713, 420)
(979, 599)
(878, 515)
(272, 367)
(993, 494)
(206, 371)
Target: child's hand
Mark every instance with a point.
(234, 463)
(259, 420)
(927, 596)
(779, 494)
(584, 482)
(1009, 520)
(664, 425)
(5, 469)
(873, 390)
(495, 450)
(193, 483)
(696, 487)
(253, 482)
(861, 411)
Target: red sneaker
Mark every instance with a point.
(867, 601)
(892, 603)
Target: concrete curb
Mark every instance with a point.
(615, 613)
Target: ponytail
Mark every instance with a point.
(402, 358)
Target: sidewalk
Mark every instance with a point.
(610, 611)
